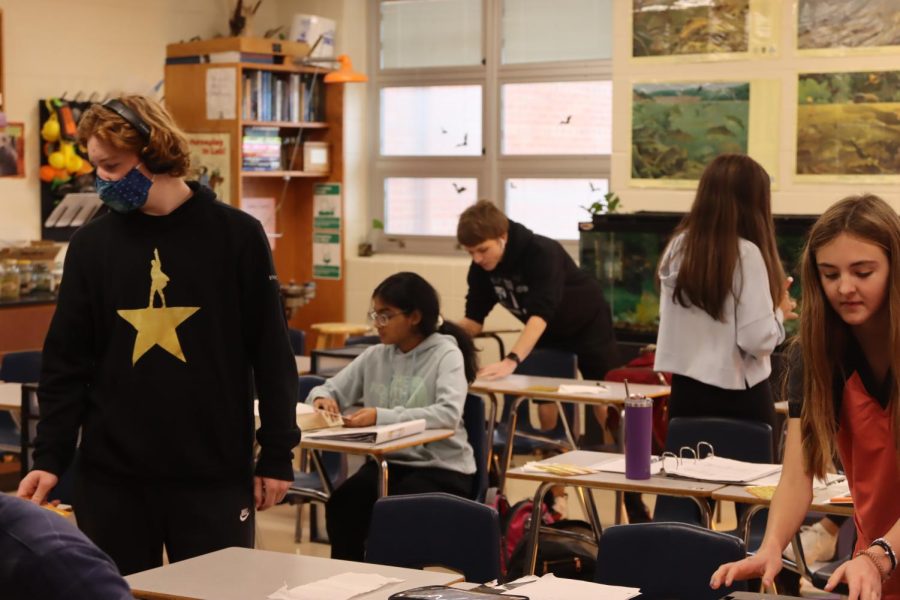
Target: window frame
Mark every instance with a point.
(491, 169)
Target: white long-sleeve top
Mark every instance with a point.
(732, 353)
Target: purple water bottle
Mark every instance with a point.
(638, 431)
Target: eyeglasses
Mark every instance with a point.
(382, 318)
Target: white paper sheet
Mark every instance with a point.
(550, 587)
(592, 390)
(618, 465)
(338, 587)
(221, 93)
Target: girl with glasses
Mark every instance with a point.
(421, 370)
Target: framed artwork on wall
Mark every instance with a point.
(848, 126)
(677, 128)
(848, 27)
(680, 30)
(12, 150)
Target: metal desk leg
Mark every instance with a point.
(492, 424)
(511, 421)
(703, 505)
(586, 497)
(316, 457)
(562, 415)
(535, 531)
(383, 476)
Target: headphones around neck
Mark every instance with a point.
(131, 117)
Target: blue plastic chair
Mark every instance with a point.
(16, 367)
(542, 362)
(436, 529)
(473, 420)
(666, 560)
(308, 486)
(749, 441)
(298, 341)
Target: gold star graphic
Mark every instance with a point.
(156, 326)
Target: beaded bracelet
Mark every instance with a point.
(886, 546)
(871, 555)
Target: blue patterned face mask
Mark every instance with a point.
(126, 194)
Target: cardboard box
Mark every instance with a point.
(316, 157)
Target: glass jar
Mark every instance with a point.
(10, 281)
(42, 278)
(26, 277)
(57, 273)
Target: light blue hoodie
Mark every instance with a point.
(428, 382)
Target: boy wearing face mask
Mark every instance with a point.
(168, 314)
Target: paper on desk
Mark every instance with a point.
(337, 587)
(593, 390)
(550, 587)
(617, 465)
(556, 468)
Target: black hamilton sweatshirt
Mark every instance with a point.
(162, 326)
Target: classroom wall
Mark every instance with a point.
(789, 197)
(49, 47)
(108, 46)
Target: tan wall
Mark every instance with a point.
(56, 46)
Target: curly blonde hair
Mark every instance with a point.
(166, 152)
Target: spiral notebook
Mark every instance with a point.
(713, 469)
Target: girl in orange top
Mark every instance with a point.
(850, 343)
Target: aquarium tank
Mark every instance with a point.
(623, 250)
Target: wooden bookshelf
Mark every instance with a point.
(292, 189)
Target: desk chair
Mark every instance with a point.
(362, 340)
(16, 367)
(473, 420)
(749, 441)
(314, 486)
(666, 560)
(298, 341)
(546, 363)
(436, 529)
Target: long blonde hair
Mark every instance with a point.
(824, 335)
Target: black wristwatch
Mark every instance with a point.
(514, 357)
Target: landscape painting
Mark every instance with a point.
(829, 24)
(678, 27)
(677, 128)
(848, 123)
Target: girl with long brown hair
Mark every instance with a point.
(849, 337)
(723, 297)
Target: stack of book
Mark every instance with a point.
(261, 149)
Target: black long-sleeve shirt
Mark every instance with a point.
(536, 277)
(166, 394)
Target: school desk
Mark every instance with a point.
(524, 387)
(697, 491)
(11, 396)
(304, 364)
(244, 574)
(378, 452)
(820, 503)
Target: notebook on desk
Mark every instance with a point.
(376, 434)
(713, 469)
